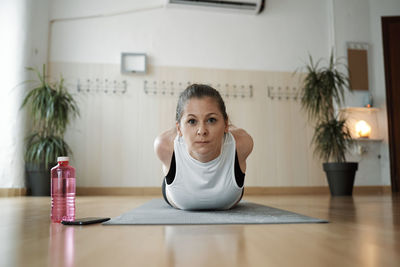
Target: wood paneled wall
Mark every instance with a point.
(113, 139)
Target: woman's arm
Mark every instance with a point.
(164, 147)
(244, 145)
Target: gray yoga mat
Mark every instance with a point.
(158, 212)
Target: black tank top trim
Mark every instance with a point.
(239, 175)
(171, 173)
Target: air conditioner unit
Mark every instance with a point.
(242, 6)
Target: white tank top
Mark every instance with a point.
(209, 185)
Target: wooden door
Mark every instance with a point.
(391, 51)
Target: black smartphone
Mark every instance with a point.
(84, 221)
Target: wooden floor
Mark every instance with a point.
(364, 230)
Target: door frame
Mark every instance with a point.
(394, 155)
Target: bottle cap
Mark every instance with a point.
(62, 159)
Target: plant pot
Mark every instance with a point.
(340, 177)
(38, 179)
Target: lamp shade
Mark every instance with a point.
(362, 122)
(363, 129)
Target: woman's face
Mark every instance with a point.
(202, 126)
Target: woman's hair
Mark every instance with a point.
(199, 91)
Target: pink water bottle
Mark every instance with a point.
(62, 191)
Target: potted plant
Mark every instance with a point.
(50, 108)
(321, 90)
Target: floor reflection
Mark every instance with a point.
(395, 200)
(61, 245)
(201, 245)
(343, 207)
(10, 233)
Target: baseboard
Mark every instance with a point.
(285, 190)
(12, 192)
(249, 190)
(309, 190)
(384, 189)
(118, 191)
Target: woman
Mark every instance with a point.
(203, 157)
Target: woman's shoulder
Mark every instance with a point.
(164, 145)
(244, 142)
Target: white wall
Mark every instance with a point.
(377, 10)
(277, 40)
(360, 21)
(24, 32)
(352, 25)
(187, 38)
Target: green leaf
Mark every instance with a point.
(50, 108)
(322, 87)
